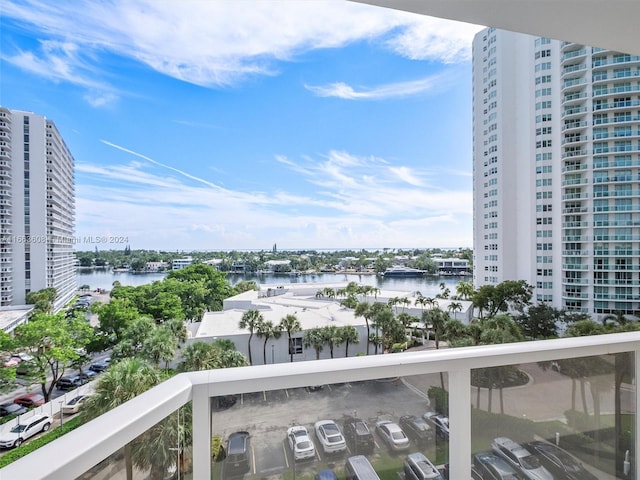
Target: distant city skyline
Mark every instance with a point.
(236, 125)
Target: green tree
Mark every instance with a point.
(215, 282)
(7, 374)
(250, 321)
(435, 319)
(209, 356)
(245, 286)
(539, 322)
(364, 310)
(123, 381)
(332, 337)
(266, 329)
(349, 335)
(510, 294)
(465, 290)
(53, 342)
(134, 338)
(314, 339)
(114, 317)
(160, 346)
(291, 325)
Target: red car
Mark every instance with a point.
(30, 400)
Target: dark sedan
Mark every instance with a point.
(101, 365)
(11, 408)
(417, 429)
(559, 462)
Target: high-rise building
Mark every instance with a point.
(557, 171)
(37, 209)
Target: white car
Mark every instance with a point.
(300, 443)
(393, 435)
(25, 430)
(329, 436)
(73, 405)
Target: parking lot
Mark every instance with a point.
(267, 415)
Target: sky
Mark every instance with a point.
(237, 125)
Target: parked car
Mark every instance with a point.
(326, 475)
(358, 467)
(89, 374)
(440, 423)
(238, 454)
(25, 367)
(23, 431)
(70, 382)
(29, 400)
(493, 467)
(521, 458)
(101, 365)
(417, 429)
(24, 356)
(11, 408)
(418, 467)
(392, 435)
(358, 436)
(73, 405)
(329, 436)
(300, 443)
(10, 361)
(559, 462)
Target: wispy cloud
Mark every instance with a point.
(391, 90)
(218, 44)
(64, 62)
(348, 200)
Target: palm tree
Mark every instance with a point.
(454, 307)
(618, 318)
(464, 290)
(291, 325)
(266, 329)
(329, 292)
(208, 356)
(160, 346)
(420, 300)
(123, 381)
(435, 318)
(363, 310)
(314, 339)
(250, 321)
(332, 337)
(349, 335)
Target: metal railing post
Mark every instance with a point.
(460, 423)
(201, 424)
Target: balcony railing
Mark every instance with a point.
(80, 450)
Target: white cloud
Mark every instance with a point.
(392, 90)
(218, 43)
(348, 201)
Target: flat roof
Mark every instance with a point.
(12, 316)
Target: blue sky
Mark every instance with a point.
(238, 124)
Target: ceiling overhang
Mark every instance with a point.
(612, 25)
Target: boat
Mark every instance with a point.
(403, 272)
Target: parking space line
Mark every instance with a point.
(253, 458)
(242, 399)
(286, 457)
(264, 395)
(329, 387)
(287, 392)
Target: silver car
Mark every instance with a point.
(520, 458)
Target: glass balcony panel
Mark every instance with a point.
(154, 454)
(583, 409)
(300, 432)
